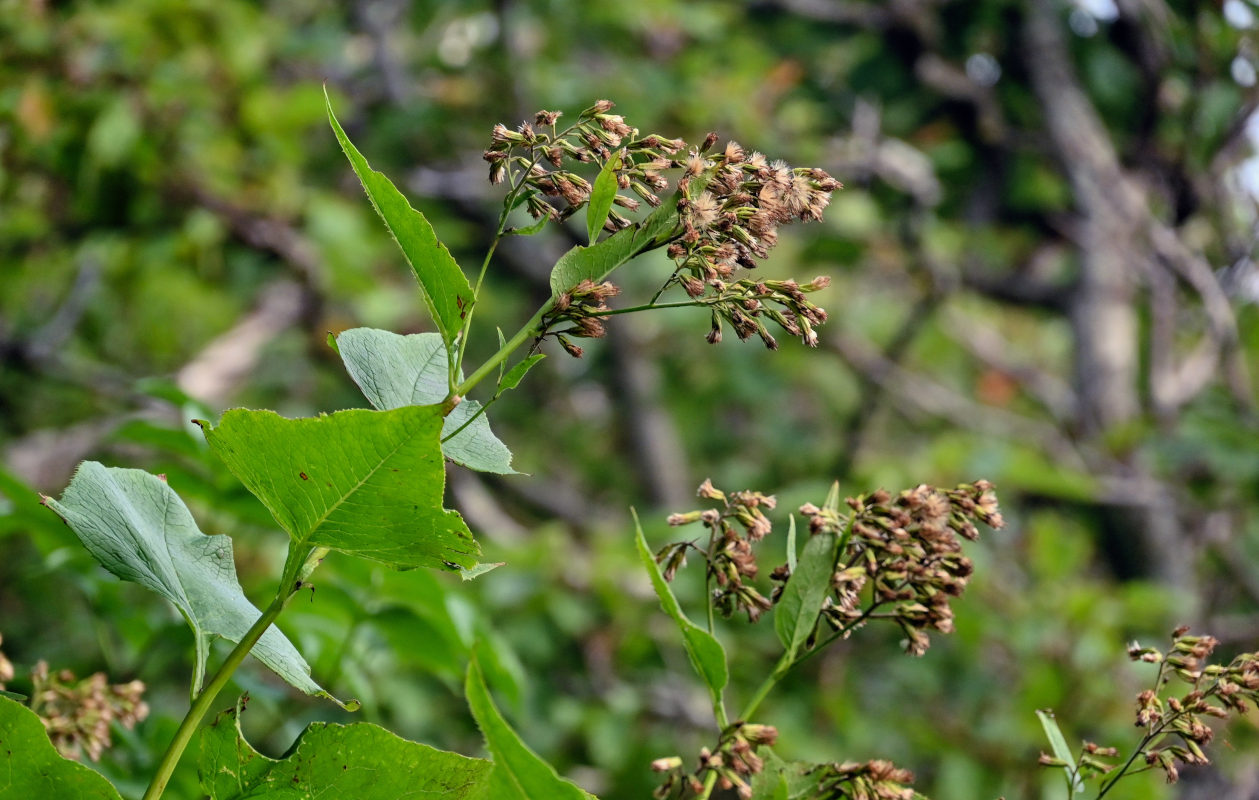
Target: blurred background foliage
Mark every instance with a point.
(1042, 274)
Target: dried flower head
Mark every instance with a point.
(730, 767)
(730, 559)
(902, 560)
(78, 713)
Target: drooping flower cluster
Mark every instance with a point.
(724, 215)
(580, 306)
(78, 713)
(868, 780)
(902, 559)
(731, 561)
(732, 223)
(1175, 725)
(746, 304)
(541, 160)
(734, 762)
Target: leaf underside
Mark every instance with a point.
(139, 529)
(394, 371)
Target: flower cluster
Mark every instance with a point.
(733, 763)
(539, 161)
(901, 557)
(729, 206)
(731, 223)
(78, 713)
(580, 306)
(733, 529)
(745, 304)
(869, 780)
(1175, 724)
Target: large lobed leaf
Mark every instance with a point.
(707, 655)
(446, 290)
(395, 371)
(366, 483)
(360, 761)
(31, 768)
(519, 773)
(136, 526)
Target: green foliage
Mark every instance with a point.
(366, 483)
(395, 371)
(167, 152)
(596, 261)
(1058, 744)
(360, 760)
(519, 774)
(706, 653)
(602, 193)
(445, 289)
(796, 614)
(136, 527)
(33, 768)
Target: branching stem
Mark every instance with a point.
(201, 706)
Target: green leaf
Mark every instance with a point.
(598, 260)
(784, 780)
(797, 610)
(520, 774)
(1058, 743)
(136, 526)
(530, 229)
(480, 569)
(30, 767)
(396, 371)
(360, 761)
(602, 193)
(366, 483)
(445, 288)
(706, 653)
(517, 373)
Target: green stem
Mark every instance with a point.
(531, 329)
(457, 362)
(710, 781)
(469, 420)
(200, 706)
(649, 307)
(1145, 741)
(783, 666)
(788, 663)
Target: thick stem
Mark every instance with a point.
(531, 329)
(457, 362)
(783, 666)
(202, 704)
(710, 781)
